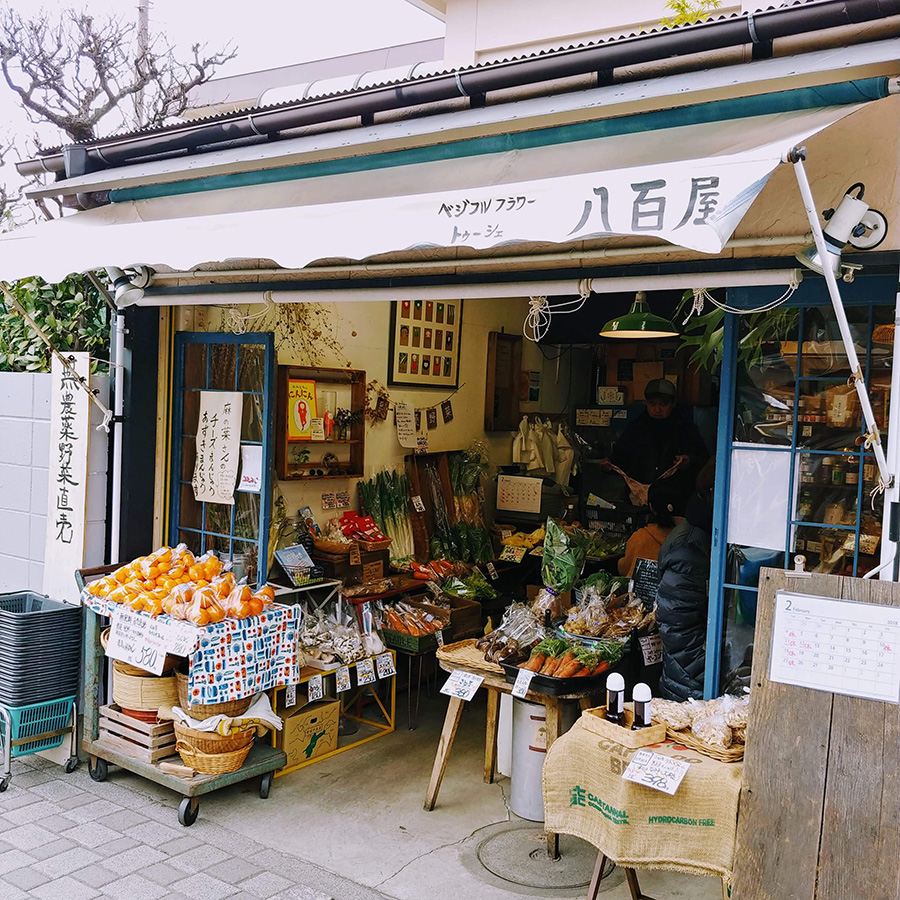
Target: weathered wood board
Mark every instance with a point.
(820, 806)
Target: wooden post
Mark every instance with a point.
(490, 744)
(445, 744)
(553, 714)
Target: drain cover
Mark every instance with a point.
(519, 856)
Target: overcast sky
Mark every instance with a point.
(266, 33)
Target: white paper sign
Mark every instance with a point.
(385, 664)
(418, 504)
(462, 684)
(290, 695)
(492, 571)
(662, 773)
(314, 689)
(365, 671)
(759, 498)
(67, 478)
(405, 417)
(218, 443)
(342, 679)
(144, 642)
(836, 646)
(651, 649)
(523, 683)
(518, 493)
(251, 468)
(439, 637)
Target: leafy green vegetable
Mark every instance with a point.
(562, 560)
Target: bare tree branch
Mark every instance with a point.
(75, 71)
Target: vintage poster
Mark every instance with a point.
(218, 446)
(417, 330)
(301, 408)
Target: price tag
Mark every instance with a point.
(662, 773)
(462, 684)
(316, 691)
(290, 695)
(523, 682)
(144, 642)
(355, 555)
(365, 671)
(418, 505)
(439, 637)
(651, 648)
(342, 679)
(513, 554)
(492, 571)
(384, 663)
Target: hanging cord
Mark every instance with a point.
(540, 312)
(239, 321)
(81, 381)
(701, 295)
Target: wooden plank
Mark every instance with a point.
(141, 740)
(445, 744)
(860, 846)
(553, 723)
(490, 743)
(151, 729)
(784, 766)
(134, 751)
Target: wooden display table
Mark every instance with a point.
(463, 656)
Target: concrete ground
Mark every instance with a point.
(349, 828)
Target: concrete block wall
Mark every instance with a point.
(24, 461)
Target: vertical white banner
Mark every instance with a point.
(67, 478)
(218, 446)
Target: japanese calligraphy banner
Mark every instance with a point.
(218, 446)
(67, 477)
(689, 185)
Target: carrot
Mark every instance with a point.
(549, 664)
(534, 664)
(580, 672)
(601, 666)
(569, 669)
(559, 662)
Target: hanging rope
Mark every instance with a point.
(540, 312)
(239, 322)
(701, 295)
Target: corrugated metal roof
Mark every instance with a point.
(432, 72)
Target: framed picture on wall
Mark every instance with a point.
(424, 343)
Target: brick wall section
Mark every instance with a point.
(24, 458)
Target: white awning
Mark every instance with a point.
(689, 185)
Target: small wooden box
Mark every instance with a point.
(595, 720)
(139, 740)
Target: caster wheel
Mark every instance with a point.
(71, 764)
(265, 786)
(4, 785)
(187, 811)
(98, 769)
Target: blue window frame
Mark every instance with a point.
(783, 403)
(223, 362)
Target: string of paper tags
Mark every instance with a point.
(412, 422)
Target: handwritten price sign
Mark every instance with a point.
(462, 684)
(144, 642)
(662, 773)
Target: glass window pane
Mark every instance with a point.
(188, 457)
(192, 539)
(829, 487)
(252, 366)
(191, 511)
(195, 366)
(191, 412)
(218, 518)
(737, 649)
(245, 560)
(223, 359)
(246, 515)
(828, 550)
(252, 418)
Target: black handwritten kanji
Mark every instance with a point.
(603, 194)
(648, 213)
(703, 200)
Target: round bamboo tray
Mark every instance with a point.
(465, 655)
(210, 742)
(169, 663)
(686, 738)
(212, 763)
(204, 711)
(143, 693)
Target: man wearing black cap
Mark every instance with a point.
(663, 437)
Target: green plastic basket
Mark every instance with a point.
(415, 643)
(35, 720)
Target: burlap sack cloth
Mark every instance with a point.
(637, 826)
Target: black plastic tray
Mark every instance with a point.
(557, 687)
(29, 603)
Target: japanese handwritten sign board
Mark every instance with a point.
(67, 477)
(144, 642)
(462, 685)
(662, 773)
(218, 446)
(838, 647)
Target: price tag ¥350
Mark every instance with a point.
(462, 685)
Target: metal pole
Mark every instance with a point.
(118, 407)
(143, 42)
(796, 156)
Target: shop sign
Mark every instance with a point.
(405, 417)
(145, 642)
(218, 446)
(462, 685)
(662, 773)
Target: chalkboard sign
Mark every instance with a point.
(646, 580)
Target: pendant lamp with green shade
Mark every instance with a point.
(639, 322)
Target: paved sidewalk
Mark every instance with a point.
(67, 837)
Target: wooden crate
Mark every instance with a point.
(142, 741)
(465, 616)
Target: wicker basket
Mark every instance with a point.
(465, 655)
(212, 763)
(211, 742)
(204, 711)
(688, 739)
(143, 692)
(169, 663)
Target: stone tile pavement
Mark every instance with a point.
(65, 837)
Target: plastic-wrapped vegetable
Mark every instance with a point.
(562, 560)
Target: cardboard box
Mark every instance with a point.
(465, 616)
(373, 566)
(310, 730)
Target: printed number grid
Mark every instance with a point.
(843, 648)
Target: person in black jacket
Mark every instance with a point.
(683, 594)
(663, 437)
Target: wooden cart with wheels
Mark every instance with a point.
(262, 761)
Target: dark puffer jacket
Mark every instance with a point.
(683, 598)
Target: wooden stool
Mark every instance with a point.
(630, 877)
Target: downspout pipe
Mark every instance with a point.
(756, 28)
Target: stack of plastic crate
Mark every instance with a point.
(40, 662)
